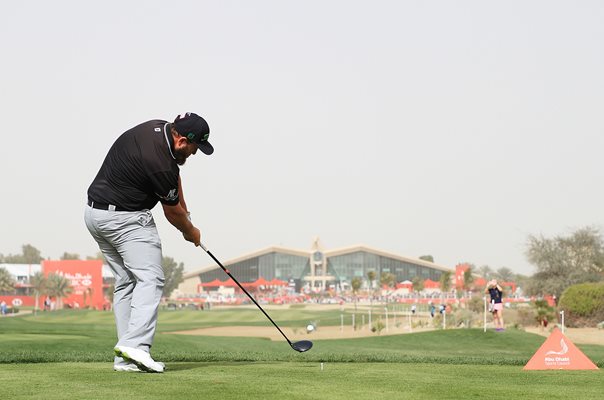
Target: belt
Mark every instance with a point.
(102, 206)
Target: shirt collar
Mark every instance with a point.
(169, 138)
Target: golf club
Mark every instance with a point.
(301, 346)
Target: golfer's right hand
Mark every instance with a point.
(193, 236)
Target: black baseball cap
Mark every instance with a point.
(196, 129)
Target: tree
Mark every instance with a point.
(59, 287)
(468, 278)
(38, 283)
(356, 284)
(445, 281)
(109, 292)
(427, 258)
(522, 281)
(418, 283)
(30, 255)
(583, 304)
(387, 279)
(504, 274)
(172, 273)
(486, 272)
(7, 282)
(70, 256)
(88, 294)
(98, 256)
(371, 275)
(563, 261)
(544, 313)
(476, 304)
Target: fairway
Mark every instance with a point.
(294, 380)
(67, 354)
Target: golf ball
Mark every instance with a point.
(310, 328)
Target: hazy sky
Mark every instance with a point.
(450, 128)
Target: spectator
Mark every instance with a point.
(496, 293)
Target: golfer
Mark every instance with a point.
(140, 170)
(496, 293)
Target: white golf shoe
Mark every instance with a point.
(130, 367)
(141, 359)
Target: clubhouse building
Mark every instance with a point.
(315, 269)
(312, 270)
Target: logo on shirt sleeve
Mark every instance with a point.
(171, 196)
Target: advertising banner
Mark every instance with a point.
(85, 278)
(558, 352)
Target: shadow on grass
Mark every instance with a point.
(184, 366)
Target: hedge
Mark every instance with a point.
(583, 304)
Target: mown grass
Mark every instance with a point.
(296, 381)
(68, 354)
(89, 336)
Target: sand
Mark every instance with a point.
(577, 335)
(328, 332)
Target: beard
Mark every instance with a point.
(181, 157)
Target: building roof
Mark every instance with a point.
(373, 250)
(22, 269)
(30, 269)
(307, 253)
(257, 253)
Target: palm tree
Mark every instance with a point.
(445, 282)
(388, 279)
(468, 278)
(371, 276)
(38, 283)
(7, 282)
(418, 284)
(58, 287)
(356, 284)
(90, 292)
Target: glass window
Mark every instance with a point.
(343, 267)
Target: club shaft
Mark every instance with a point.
(245, 291)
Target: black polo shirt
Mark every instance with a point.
(495, 294)
(139, 169)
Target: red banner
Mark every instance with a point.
(85, 277)
(18, 301)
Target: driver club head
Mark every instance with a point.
(302, 345)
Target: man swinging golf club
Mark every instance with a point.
(140, 170)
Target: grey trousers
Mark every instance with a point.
(131, 245)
